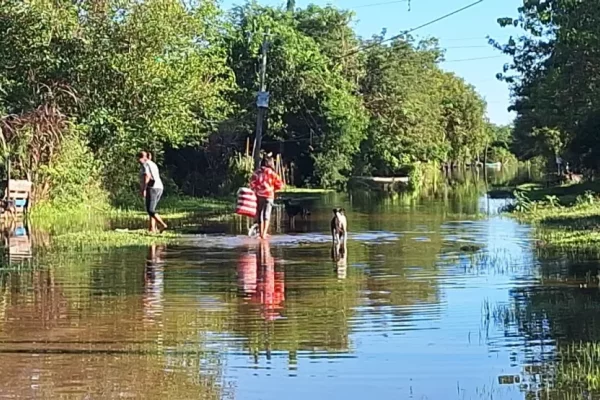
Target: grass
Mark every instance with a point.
(171, 206)
(178, 208)
(567, 194)
(104, 240)
(567, 218)
(579, 366)
(96, 227)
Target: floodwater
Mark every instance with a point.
(437, 297)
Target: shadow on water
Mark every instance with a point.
(437, 296)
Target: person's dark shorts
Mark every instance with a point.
(152, 198)
(264, 207)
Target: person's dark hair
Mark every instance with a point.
(142, 154)
(149, 155)
(268, 162)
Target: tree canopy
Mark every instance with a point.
(116, 76)
(554, 80)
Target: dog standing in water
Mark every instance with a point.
(293, 210)
(339, 227)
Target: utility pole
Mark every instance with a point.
(262, 102)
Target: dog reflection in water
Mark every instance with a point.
(259, 283)
(339, 255)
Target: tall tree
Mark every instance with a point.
(554, 77)
(400, 90)
(313, 115)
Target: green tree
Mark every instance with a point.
(313, 118)
(36, 94)
(168, 77)
(331, 29)
(463, 112)
(400, 91)
(553, 78)
(128, 74)
(418, 113)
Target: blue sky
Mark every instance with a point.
(463, 35)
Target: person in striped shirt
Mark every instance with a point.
(265, 182)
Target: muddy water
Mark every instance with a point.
(438, 297)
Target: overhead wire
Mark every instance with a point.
(463, 39)
(433, 21)
(472, 59)
(467, 47)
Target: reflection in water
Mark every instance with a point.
(435, 301)
(339, 255)
(16, 241)
(153, 289)
(73, 330)
(260, 283)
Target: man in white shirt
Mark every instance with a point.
(151, 187)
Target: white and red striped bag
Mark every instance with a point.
(246, 202)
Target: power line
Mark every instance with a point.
(473, 59)
(464, 39)
(413, 29)
(467, 47)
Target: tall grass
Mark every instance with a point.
(566, 218)
(579, 366)
(95, 226)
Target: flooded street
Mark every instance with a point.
(439, 297)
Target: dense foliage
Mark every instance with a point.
(85, 85)
(554, 80)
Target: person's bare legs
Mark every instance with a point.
(262, 229)
(266, 229)
(158, 219)
(266, 217)
(261, 218)
(151, 224)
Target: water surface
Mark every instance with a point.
(438, 297)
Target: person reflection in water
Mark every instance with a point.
(153, 284)
(259, 282)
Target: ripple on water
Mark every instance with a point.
(226, 241)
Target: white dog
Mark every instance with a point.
(339, 227)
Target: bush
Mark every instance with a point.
(239, 172)
(73, 175)
(416, 175)
(586, 199)
(330, 170)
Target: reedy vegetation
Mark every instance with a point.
(565, 217)
(179, 78)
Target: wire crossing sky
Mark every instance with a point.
(462, 27)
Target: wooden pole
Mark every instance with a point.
(8, 174)
(261, 110)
